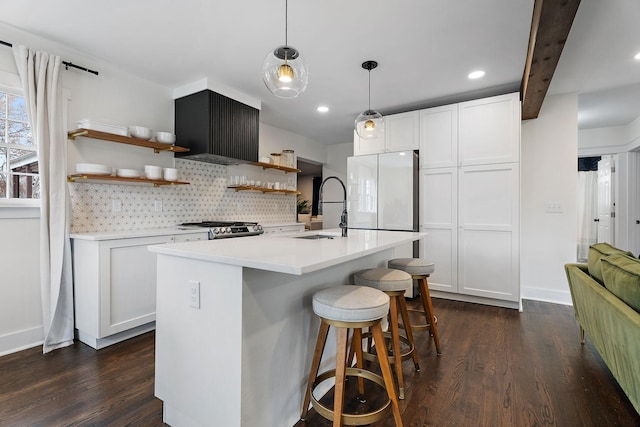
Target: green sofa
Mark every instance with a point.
(606, 301)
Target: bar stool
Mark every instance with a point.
(394, 283)
(350, 307)
(420, 270)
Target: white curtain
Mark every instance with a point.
(42, 86)
(587, 212)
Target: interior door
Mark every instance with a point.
(606, 202)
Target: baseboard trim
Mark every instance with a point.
(475, 299)
(99, 343)
(547, 295)
(21, 340)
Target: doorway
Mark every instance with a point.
(596, 203)
(309, 180)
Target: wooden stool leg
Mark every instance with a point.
(395, 338)
(315, 366)
(428, 310)
(342, 338)
(356, 345)
(407, 328)
(378, 339)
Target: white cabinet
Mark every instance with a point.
(191, 237)
(439, 137)
(489, 130)
(115, 287)
(362, 147)
(439, 218)
(401, 133)
(470, 199)
(488, 231)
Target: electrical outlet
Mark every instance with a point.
(194, 294)
(158, 205)
(116, 205)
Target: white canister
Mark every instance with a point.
(287, 159)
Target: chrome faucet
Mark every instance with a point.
(343, 217)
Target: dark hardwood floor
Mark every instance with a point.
(498, 368)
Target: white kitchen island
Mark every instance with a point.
(241, 356)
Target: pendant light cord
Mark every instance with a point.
(286, 22)
(369, 90)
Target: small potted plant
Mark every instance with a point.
(304, 214)
(303, 206)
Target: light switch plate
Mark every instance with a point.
(553, 207)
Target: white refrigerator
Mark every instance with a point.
(382, 191)
(382, 194)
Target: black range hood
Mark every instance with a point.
(216, 129)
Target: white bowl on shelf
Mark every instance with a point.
(93, 169)
(165, 137)
(140, 132)
(153, 172)
(170, 174)
(128, 173)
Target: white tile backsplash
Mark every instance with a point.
(205, 198)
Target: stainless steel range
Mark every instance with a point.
(225, 229)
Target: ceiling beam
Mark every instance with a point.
(550, 26)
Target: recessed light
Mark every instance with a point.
(476, 74)
(323, 109)
(637, 56)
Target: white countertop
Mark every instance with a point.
(285, 253)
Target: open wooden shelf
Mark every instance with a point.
(262, 189)
(95, 134)
(110, 179)
(272, 166)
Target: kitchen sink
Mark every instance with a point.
(315, 237)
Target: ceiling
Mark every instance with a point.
(597, 63)
(425, 49)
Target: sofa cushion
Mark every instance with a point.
(596, 253)
(622, 277)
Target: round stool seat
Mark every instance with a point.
(413, 266)
(351, 303)
(384, 279)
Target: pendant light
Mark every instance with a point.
(369, 124)
(284, 69)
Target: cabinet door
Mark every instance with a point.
(362, 147)
(191, 237)
(402, 131)
(439, 137)
(127, 283)
(488, 231)
(489, 130)
(438, 217)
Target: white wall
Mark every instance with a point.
(549, 174)
(112, 96)
(305, 187)
(20, 308)
(274, 140)
(609, 140)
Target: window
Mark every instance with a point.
(18, 153)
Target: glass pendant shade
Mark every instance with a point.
(285, 72)
(369, 124)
